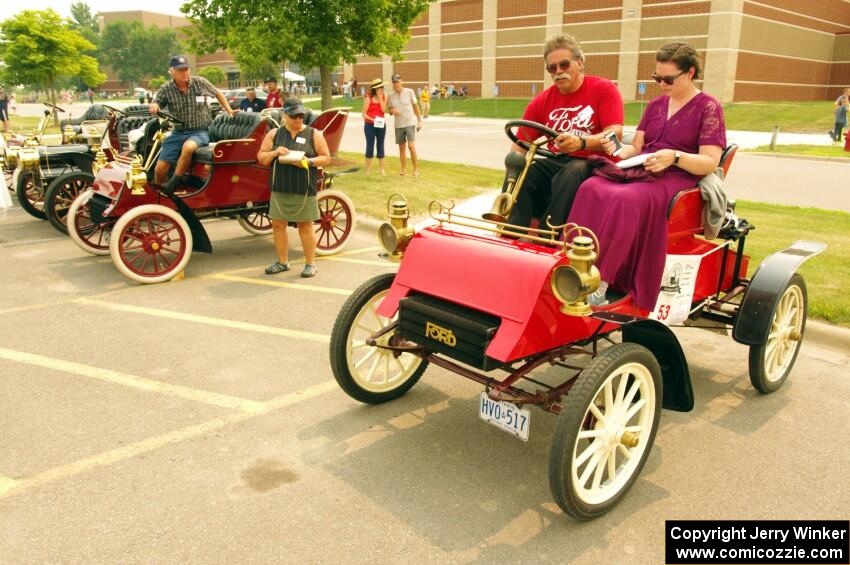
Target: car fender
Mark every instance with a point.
(200, 240)
(678, 394)
(752, 323)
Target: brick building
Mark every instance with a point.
(751, 49)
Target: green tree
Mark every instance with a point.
(136, 52)
(40, 49)
(312, 33)
(85, 22)
(213, 74)
(156, 82)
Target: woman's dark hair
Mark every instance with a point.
(682, 55)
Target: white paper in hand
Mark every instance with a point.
(634, 161)
(291, 157)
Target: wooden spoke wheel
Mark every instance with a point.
(61, 193)
(30, 193)
(89, 236)
(370, 374)
(150, 244)
(336, 222)
(771, 363)
(256, 223)
(605, 431)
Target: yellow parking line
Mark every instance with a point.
(7, 484)
(146, 446)
(269, 282)
(141, 383)
(309, 336)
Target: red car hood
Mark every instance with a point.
(505, 278)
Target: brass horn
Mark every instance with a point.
(516, 168)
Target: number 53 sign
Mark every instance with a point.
(677, 289)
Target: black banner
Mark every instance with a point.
(816, 542)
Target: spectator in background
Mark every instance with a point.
(4, 110)
(403, 105)
(354, 87)
(273, 99)
(142, 96)
(90, 94)
(425, 101)
(842, 103)
(346, 90)
(375, 124)
(251, 103)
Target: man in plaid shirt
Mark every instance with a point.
(185, 97)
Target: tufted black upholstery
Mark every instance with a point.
(136, 117)
(93, 112)
(237, 126)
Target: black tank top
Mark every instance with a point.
(290, 179)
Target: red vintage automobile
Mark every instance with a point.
(477, 296)
(151, 233)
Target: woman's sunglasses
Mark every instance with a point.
(563, 65)
(666, 80)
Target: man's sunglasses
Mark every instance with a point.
(563, 65)
(666, 80)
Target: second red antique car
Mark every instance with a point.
(480, 296)
(151, 233)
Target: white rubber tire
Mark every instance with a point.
(78, 203)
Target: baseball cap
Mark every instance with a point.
(294, 107)
(396, 78)
(270, 79)
(179, 62)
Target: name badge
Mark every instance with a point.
(201, 99)
(379, 122)
(300, 140)
(249, 109)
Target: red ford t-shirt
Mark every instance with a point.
(273, 100)
(596, 105)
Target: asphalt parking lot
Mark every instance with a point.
(198, 421)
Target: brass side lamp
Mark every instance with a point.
(572, 283)
(136, 178)
(396, 234)
(28, 155)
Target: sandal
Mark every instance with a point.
(277, 267)
(309, 271)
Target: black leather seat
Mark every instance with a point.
(93, 112)
(136, 116)
(224, 127)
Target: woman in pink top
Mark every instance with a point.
(375, 127)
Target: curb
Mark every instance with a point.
(827, 334)
(802, 157)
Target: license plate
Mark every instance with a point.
(504, 415)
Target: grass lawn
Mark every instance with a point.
(27, 124)
(776, 226)
(828, 274)
(798, 117)
(439, 181)
(817, 150)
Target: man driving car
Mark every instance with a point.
(580, 108)
(186, 98)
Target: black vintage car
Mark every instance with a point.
(49, 177)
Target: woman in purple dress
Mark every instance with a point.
(683, 134)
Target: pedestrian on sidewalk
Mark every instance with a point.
(425, 101)
(374, 123)
(842, 103)
(4, 110)
(403, 105)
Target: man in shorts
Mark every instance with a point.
(403, 105)
(4, 110)
(186, 98)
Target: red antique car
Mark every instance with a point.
(481, 296)
(151, 233)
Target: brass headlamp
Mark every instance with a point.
(68, 133)
(28, 158)
(136, 178)
(99, 161)
(572, 283)
(93, 134)
(12, 156)
(396, 234)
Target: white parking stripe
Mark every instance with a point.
(141, 383)
(269, 282)
(145, 446)
(309, 336)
